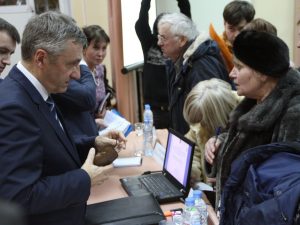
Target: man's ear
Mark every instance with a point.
(182, 41)
(40, 57)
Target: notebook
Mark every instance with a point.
(172, 183)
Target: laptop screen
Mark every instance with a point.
(178, 157)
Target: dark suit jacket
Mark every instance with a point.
(77, 106)
(39, 163)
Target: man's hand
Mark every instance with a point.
(211, 149)
(100, 123)
(113, 138)
(97, 174)
(117, 135)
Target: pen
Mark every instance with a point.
(218, 132)
(167, 213)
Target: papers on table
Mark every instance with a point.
(127, 161)
(159, 153)
(114, 122)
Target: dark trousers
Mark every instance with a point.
(161, 118)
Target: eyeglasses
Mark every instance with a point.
(163, 39)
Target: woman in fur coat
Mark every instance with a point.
(270, 111)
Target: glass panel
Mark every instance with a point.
(14, 6)
(12, 2)
(46, 5)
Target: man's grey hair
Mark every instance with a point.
(180, 25)
(50, 31)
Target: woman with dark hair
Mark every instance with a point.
(260, 24)
(93, 56)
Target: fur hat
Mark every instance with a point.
(263, 52)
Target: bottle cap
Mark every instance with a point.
(189, 201)
(197, 194)
(147, 106)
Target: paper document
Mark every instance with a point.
(203, 186)
(114, 122)
(159, 153)
(127, 161)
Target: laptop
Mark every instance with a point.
(172, 183)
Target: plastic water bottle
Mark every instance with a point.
(148, 131)
(177, 218)
(201, 206)
(191, 215)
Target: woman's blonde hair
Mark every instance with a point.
(209, 104)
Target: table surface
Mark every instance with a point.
(111, 188)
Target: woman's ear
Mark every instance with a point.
(262, 77)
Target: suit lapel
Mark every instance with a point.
(44, 110)
(60, 133)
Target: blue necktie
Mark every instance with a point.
(51, 106)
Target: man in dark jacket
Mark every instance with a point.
(39, 162)
(193, 58)
(154, 72)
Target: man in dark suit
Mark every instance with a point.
(39, 163)
(9, 37)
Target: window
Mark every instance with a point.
(14, 6)
(132, 50)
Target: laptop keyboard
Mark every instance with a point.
(158, 186)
